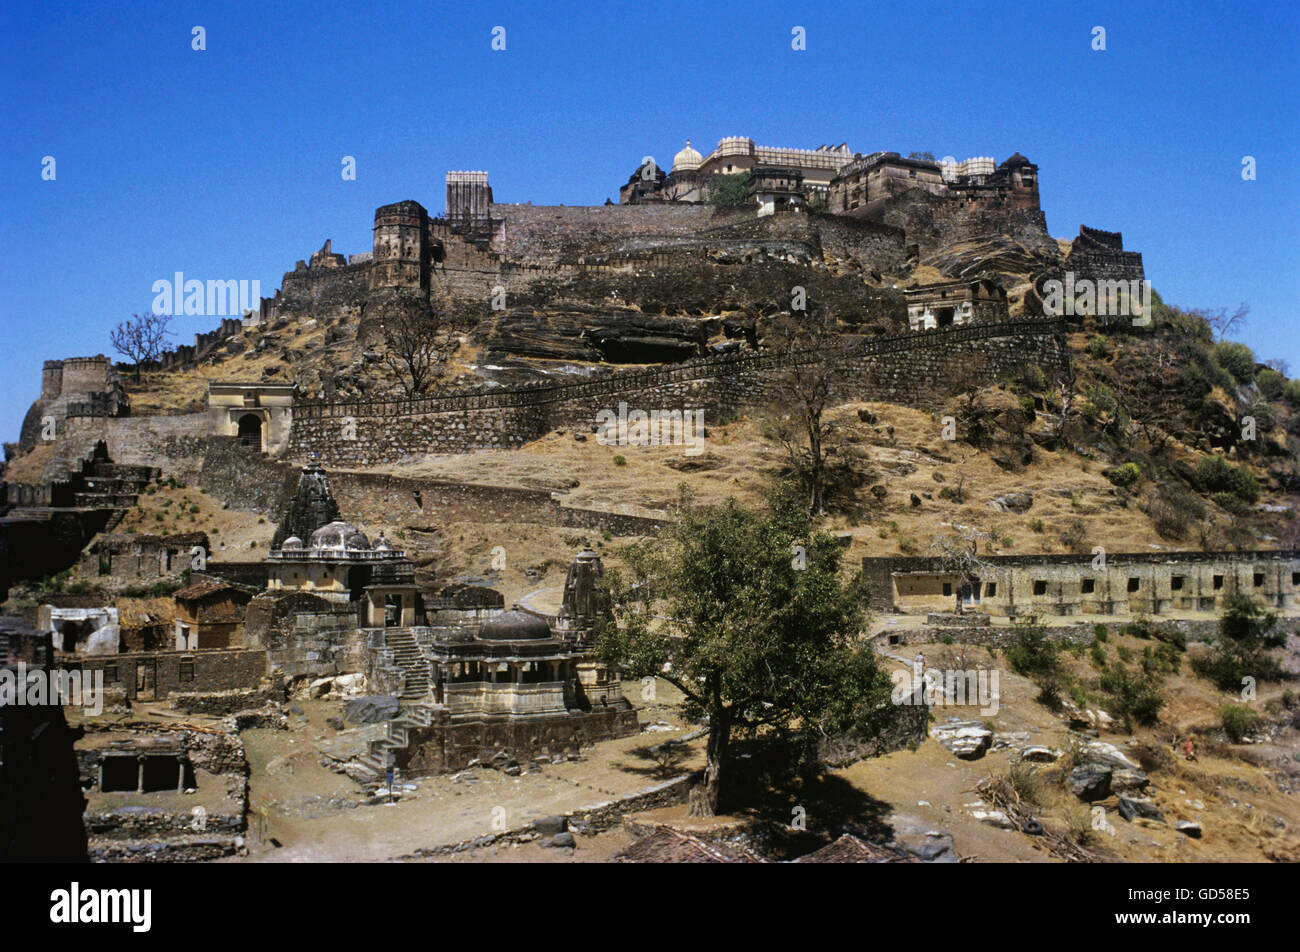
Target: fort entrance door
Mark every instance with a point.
(250, 431)
(146, 679)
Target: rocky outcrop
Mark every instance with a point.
(594, 334)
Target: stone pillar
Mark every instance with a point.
(139, 775)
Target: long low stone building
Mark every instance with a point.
(1121, 583)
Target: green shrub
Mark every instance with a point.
(1036, 525)
(1239, 722)
(1247, 631)
(1270, 383)
(1124, 475)
(1215, 474)
(1099, 346)
(620, 460)
(1100, 632)
(1291, 392)
(1134, 696)
(1237, 359)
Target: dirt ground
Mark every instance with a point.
(1242, 795)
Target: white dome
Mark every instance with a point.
(687, 160)
(293, 542)
(339, 535)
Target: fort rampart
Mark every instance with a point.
(908, 369)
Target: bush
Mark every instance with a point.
(620, 460)
(1134, 696)
(1270, 383)
(1216, 475)
(1100, 632)
(1124, 475)
(1291, 392)
(1246, 633)
(1099, 346)
(1037, 657)
(1237, 359)
(1239, 722)
(1162, 659)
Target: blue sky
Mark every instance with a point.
(226, 163)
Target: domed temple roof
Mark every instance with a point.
(312, 506)
(339, 535)
(515, 625)
(293, 542)
(687, 160)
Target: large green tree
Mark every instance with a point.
(748, 614)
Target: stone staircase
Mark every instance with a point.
(407, 658)
(379, 758)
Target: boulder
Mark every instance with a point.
(993, 818)
(1018, 503)
(1128, 780)
(965, 740)
(550, 825)
(1090, 782)
(1041, 755)
(563, 840)
(1131, 809)
(349, 685)
(1189, 828)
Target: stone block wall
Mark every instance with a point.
(447, 746)
(909, 369)
(245, 479)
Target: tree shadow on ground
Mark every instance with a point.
(797, 815)
(664, 760)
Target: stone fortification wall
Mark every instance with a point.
(910, 369)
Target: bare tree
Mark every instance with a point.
(418, 345)
(958, 553)
(1222, 324)
(1279, 364)
(809, 376)
(141, 339)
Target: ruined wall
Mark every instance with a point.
(934, 223)
(214, 669)
(173, 443)
(321, 293)
(908, 369)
